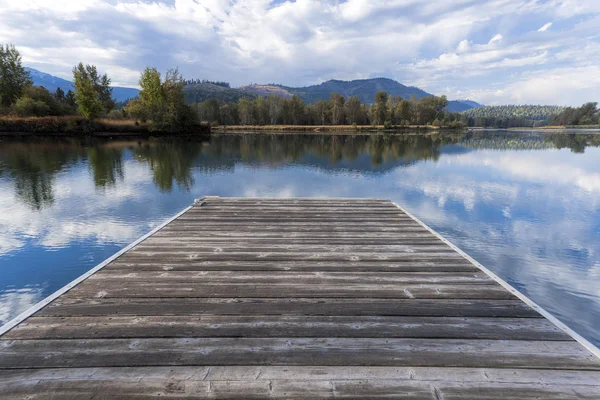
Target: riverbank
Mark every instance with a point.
(78, 126)
(350, 129)
(552, 128)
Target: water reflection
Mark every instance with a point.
(525, 205)
(33, 166)
(106, 164)
(170, 162)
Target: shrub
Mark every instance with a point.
(115, 114)
(28, 107)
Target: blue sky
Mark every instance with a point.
(491, 51)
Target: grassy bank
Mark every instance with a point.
(320, 128)
(78, 126)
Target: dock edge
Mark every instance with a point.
(41, 304)
(576, 336)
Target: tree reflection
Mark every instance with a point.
(171, 162)
(106, 164)
(33, 166)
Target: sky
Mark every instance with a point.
(490, 51)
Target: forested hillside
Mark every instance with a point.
(197, 91)
(531, 112)
(510, 116)
(587, 114)
(364, 89)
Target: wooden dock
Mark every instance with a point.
(293, 298)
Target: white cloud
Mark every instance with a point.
(496, 38)
(302, 42)
(545, 27)
(14, 302)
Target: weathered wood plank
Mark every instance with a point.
(284, 212)
(250, 220)
(136, 289)
(211, 227)
(215, 302)
(234, 247)
(295, 382)
(209, 240)
(301, 222)
(292, 389)
(194, 265)
(305, 373)
(178, 256)
(201, 234)
(286, 326)
(295, 351)
(110, 277)
(69, 305)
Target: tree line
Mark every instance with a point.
(161, 102)
(200, 81)
(510, 116)
(274, 110)
(162, 105)
(587, 114)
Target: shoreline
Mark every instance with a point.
(341, 129)
(73, 126)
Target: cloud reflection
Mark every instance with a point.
(526, 206)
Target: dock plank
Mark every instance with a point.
(260, 326)
(293, 298)
(482, 353)
(68, 305)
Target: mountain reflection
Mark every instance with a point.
(33, 166)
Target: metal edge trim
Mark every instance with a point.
(583, 341)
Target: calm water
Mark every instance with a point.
(525, 205)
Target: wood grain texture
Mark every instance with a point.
(295, 299)
(260, 326)
(69, 305)
(482, 353)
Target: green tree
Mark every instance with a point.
(163, 102)
(151, 96)
(352, 110)
(59, 94)
(404, 112)
(70, 99)
(380, 107)
(13, 77)
(337, 108)
(275, 106)
(92, 92)
(296, 110)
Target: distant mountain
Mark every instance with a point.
(266, 90)
(461, 105)
(471, 103)
(197, 92)
(364, 89)
(51, 83)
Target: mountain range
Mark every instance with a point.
(52, 82)
(364, 89)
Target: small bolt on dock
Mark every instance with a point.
(240, 298)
